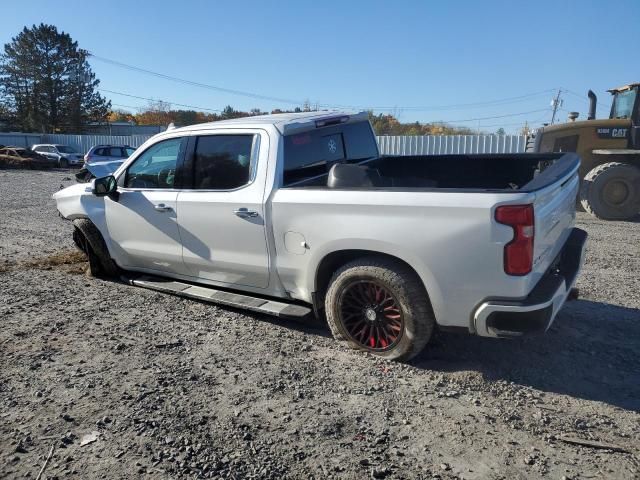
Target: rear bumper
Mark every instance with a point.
(535, 314)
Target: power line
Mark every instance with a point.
(434, 122)
(584, 100)
(127, 106)
(195, 84)
(497, 102)
(492, 117)
(581, 97)
(154, 100)
(214, 110)
(538, 120)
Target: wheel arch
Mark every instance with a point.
(94, 242)
(335, 259)
(601, 159)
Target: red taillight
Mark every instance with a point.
(518, 253)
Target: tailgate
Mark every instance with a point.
(555, 211)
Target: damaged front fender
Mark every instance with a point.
(97, 170)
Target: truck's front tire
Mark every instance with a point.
(380, 306)
(611, 191)
(88, 239)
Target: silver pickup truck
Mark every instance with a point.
(298, 213)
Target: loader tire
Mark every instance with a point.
(379, 306)
(611, 191)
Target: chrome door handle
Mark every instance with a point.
(245, 213)
(161, 207)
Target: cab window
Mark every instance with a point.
(223, 162)
(313, 153)
(156, 166)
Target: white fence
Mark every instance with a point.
(451, 144)
(389, 145)
(19, 139)
(82, 143)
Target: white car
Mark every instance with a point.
(63, 155)
(293, 213)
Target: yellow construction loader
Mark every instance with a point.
(610, 152)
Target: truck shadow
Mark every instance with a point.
(590, 352)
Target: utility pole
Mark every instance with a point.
(556, 103)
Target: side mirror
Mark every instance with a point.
(105, 186)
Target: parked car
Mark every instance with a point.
(22, 157)
(295, 213)
(106, 153)
(19, 152)
(62, 155)
(102, 160)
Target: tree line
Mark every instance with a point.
(160, 113)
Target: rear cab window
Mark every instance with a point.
(313, 152)
(224, 162)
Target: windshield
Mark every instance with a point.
(623, 104)
(65, 149)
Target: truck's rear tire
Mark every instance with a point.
(611, 191)
(380, 306)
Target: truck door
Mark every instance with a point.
(142, 222)
(221, 211)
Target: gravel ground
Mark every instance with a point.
(164, 387)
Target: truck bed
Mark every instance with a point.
(440, 210)
(487, 172)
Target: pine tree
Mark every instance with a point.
(47, 84)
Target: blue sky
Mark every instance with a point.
(396, 55)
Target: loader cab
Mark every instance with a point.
(626, 106)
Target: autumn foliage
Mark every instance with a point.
(160, 113)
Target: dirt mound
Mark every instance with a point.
(70, 261)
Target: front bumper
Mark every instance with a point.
(535, 314)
